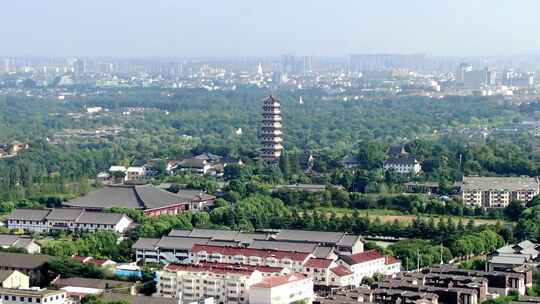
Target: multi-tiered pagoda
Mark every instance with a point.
(271, 135)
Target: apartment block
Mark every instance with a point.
(497, 192)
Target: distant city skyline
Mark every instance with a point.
(204, 28)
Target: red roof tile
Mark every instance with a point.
(366, 256)
(211, 268)
(98, 262)
(248, 252)
(263, 269)
(341, 271)
(318, 263)
(271, 282)
(82, 259)
(391, 260)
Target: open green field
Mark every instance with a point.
(386, 215)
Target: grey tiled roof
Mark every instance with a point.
(104, 218)
(177, 232)
(107, 197)
(499, 183)
(284, 245)
(115, 297)
(28, 214)
(22, 261)
(323, 252)
(7, 240)
(145, 243)
(136, 197)
(215, 234)
(90, 283)
(4, 274)
(309, 236)
(65, 214)
(184, 243)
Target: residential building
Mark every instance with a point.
(14, 241)
(135, 175)
(176, 247)
(326, 272)
(271, 132)
(402, 162)
(13, 279)
(497, 192)
(256, 257)
(369, 263)
(25, 296)
(292, 288)
(152, 200)
(227, 284)
(34, 266)
(48, 220)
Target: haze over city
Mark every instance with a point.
(166, 28)
(269, 152)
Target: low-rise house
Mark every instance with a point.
(401, 162)
(34, 266)
(135, 175)
(97, 262)
(13, 279)
(292, 288)
(25, 296)
(498, 192)
(48, 220)
(14, 241)
(96, 284)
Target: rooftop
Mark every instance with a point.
(136, 197)
(271, 282)
(231, 251)
(499, 183)
(22, 261)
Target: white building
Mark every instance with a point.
(47, 220)
(369, 263)
(14, 241)
(291, 288)
(326, 272)
(32, 295)
(293, 261)
(134, 174)
(225, 283)
(403, 165)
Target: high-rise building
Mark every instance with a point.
(463, 69)
(307, 64)
(491, 77)
(271, 134)
(288, 63)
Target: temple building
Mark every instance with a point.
(271, 135)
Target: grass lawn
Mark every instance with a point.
(386, 215)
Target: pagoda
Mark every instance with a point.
(271, 135)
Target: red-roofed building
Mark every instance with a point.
(393, 266)
(225, 282)
(292, 288)
(320, 271)
(368, 263)
(248, 256)
(232, 283)
(91, 260)
(341, 276)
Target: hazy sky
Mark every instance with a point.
(267, 27)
